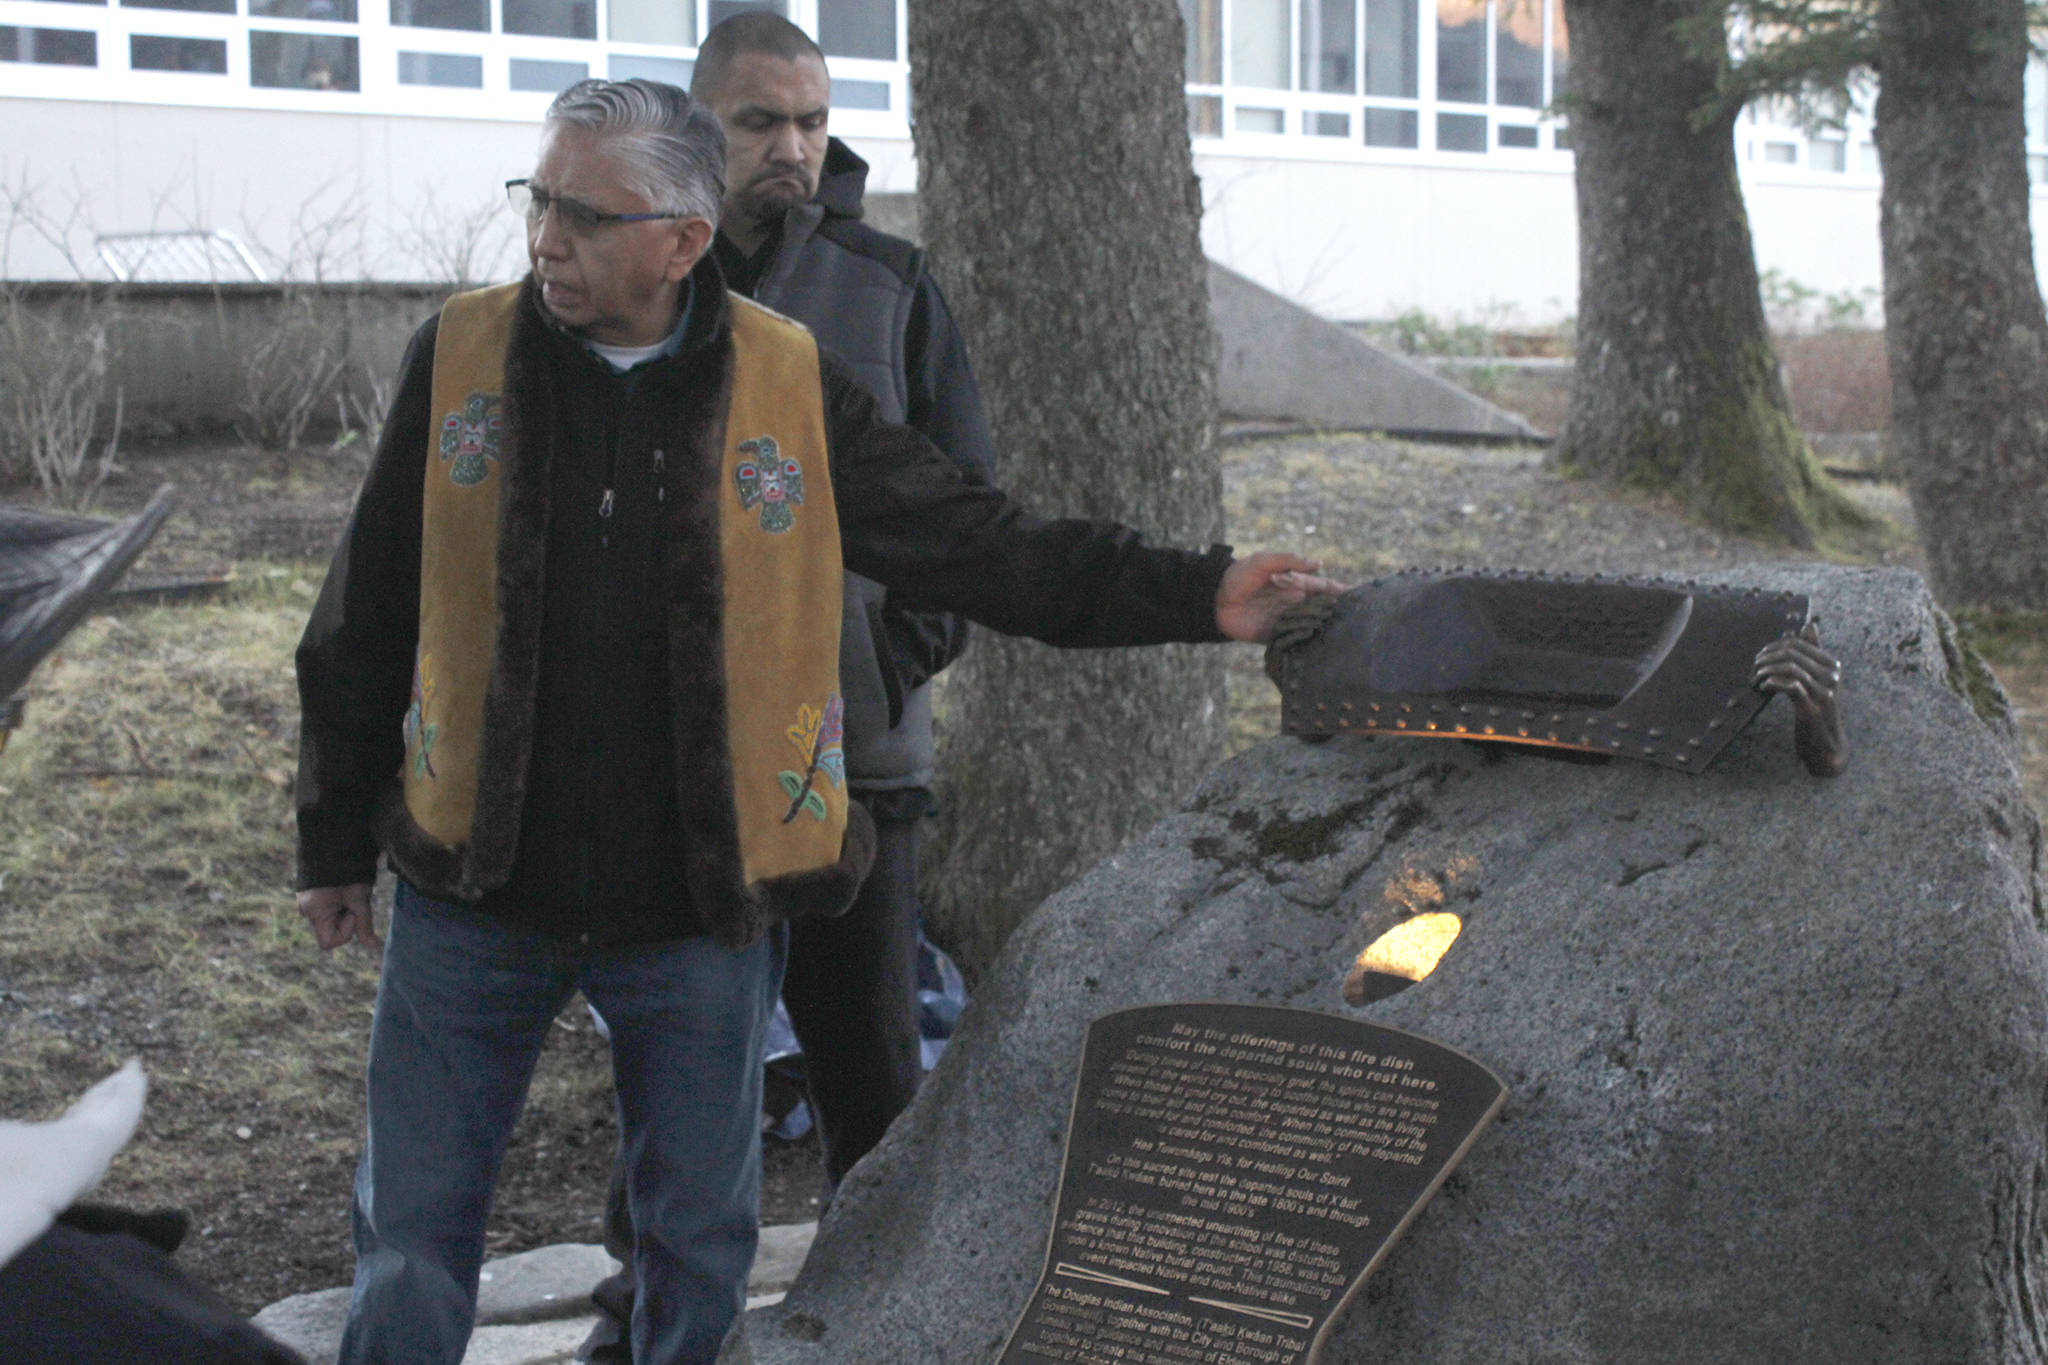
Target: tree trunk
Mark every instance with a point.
(1060, 207)
(1677, 385)
(1964, 323)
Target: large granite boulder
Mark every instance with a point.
(1778, 1046)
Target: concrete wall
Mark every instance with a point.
(181, 354)
(1476, 241)
(1358, 240)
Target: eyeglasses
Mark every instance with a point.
(532, 203)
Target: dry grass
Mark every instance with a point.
(145, 909)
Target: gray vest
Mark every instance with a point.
(859, 308)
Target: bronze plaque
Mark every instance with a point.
(1233, 1173)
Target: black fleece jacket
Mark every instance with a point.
(599, 854)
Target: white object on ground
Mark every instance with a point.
(45, 1167)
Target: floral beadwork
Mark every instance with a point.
(818, 738)
(419, 735)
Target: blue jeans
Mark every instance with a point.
(463, 1007)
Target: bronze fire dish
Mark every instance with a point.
(1664, 672)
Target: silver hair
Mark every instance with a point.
(672, 145)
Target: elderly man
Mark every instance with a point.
(574, 672)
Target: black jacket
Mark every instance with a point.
(593, 824)
(867, 298)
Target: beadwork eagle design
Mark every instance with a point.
(770, 481)
(470, 439)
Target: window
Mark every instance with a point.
(1258, 44)
(549, 78)
(461, 58)
(858, 28)
(1392, 128)
(1560, 53)
(1518, 56)
(48, 46)
(302, 61)
(668, 70)
(194, 6)
(1461, 132)
(330, 11)
(1391, 59)
(720, 10)
(859, 94)
(1204, 20)
(1461, 51)
(1329, 47)
(653, 21)
(551, 19)
(452, 69)
(201, 56)
(469, 16)
(1827, 154)
(1354, 71)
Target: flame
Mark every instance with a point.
(1412, 948)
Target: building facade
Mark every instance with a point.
(1364, 157)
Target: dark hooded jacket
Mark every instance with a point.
(601, 801)
(871, 304)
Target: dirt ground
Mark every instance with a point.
(144, 818)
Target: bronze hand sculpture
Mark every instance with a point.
(1796, 666)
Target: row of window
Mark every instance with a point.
(311, 61)
(1442, 75)
(276, 60)
(1456, 76)
(866, 31)
(845, 28)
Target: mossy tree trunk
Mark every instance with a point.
(1060, 207)
(1965, 328)
(1677, 382)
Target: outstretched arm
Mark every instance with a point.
(1797, 666)
(1258, 588)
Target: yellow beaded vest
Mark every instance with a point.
(779, 553)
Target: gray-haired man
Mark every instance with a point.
(574, 672)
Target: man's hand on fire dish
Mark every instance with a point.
(1258, 588)
(1798, 667)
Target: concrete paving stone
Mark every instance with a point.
(529, 1303)
(780, 1257)
(532, 1343)
(308, 1323)
(535, 1286)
